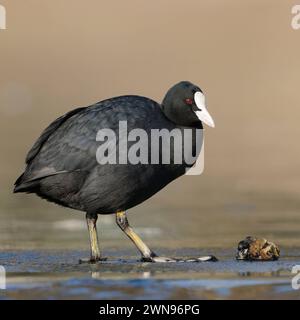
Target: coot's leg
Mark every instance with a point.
(147, 254)
(92, 227)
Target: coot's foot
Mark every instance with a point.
(91, 260)
(207, 258)
(167, 259)
(158, 259)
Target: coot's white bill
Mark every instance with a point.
(203, 114)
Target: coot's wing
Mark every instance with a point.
(31, 175)
(69, 143)
(47, 133)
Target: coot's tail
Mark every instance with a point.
(21, 186)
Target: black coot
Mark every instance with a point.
(63, 166)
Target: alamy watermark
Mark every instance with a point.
(296, 278)
(2, 278)
(295, 23)
(152, 147)
(2, 17)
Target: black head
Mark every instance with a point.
(184, 104)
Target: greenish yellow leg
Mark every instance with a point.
(147, 254)
(122, 222)
(95, 251)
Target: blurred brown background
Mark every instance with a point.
(60, 54)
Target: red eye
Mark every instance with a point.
(189, 101)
